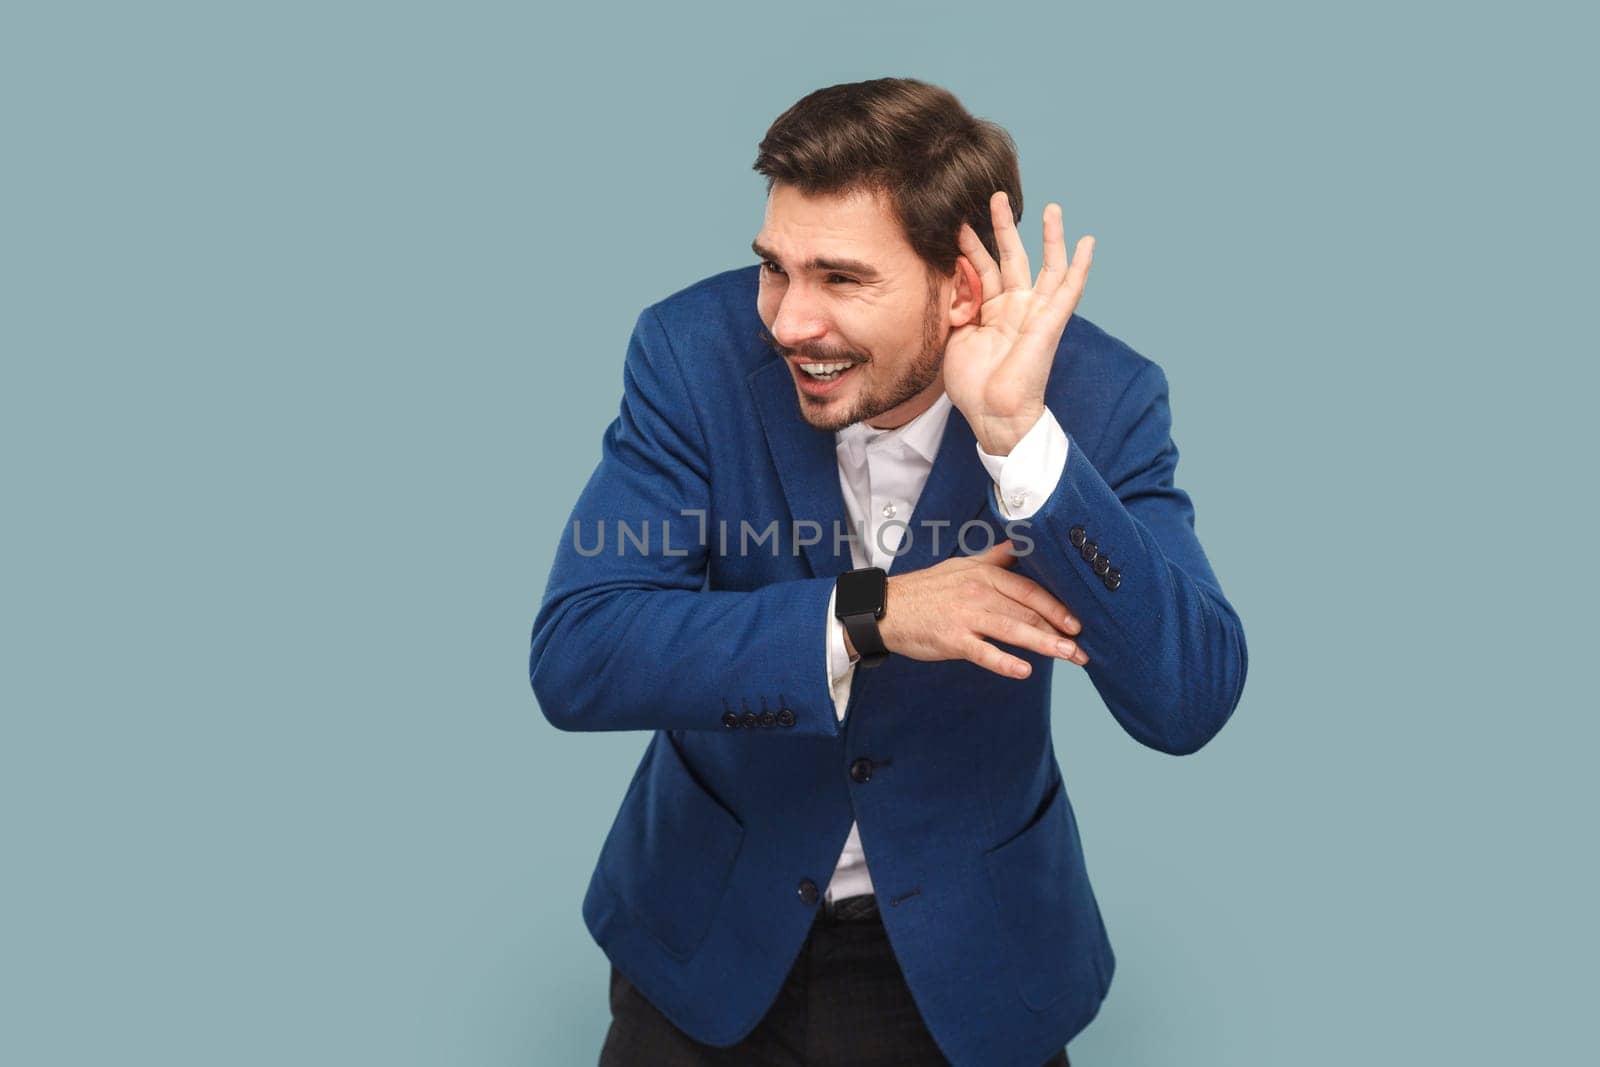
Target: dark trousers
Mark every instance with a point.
(844, 1002)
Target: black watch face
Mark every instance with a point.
(860, 593)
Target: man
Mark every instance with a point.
(858, 500)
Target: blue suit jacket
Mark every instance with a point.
(699, 896)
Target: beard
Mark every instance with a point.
(869, 403)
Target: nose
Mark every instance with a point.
(799, 319)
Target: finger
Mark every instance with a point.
(1013, 631)
(981, 260)
(1055, 253)
(985, 655)
(1003, 605)
(1077, 275)
(1002, 554)
(1031, 594)
(1014, 272)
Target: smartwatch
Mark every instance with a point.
(858, 603)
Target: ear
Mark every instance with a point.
(968, 298)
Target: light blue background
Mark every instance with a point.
(313, 315)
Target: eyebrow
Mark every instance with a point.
(846, 266)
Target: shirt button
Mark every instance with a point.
(1018, 499)
(888, 511)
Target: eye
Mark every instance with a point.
(769, 267)
(842, 278)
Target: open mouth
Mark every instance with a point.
(824, 372)
(819, 378)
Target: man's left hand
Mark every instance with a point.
(996, 368)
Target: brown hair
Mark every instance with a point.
(935, 163)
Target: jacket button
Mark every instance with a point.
(1089, 550)
(768, 719)
(808, 891)
(730, 720)
(748, 718)
(1113, 578)
(1077, 536)
(861, 770)
(1101, 564)
(785, 717)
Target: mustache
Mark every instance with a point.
(811, 353)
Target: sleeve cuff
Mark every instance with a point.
(840, 670)
(1025, 478)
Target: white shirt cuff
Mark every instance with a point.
(840, 670)
(1026, 477)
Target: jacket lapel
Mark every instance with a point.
(954, 494)
(808, 470)
(807, 466)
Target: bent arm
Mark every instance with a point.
(1166, 650)
(627, 637)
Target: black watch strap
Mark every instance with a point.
(863, 631)
(859, 602)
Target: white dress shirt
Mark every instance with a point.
(882, 474)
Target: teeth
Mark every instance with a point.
(825, 371)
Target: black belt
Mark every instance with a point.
(859, 909)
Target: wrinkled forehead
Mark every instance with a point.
(820, 231)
